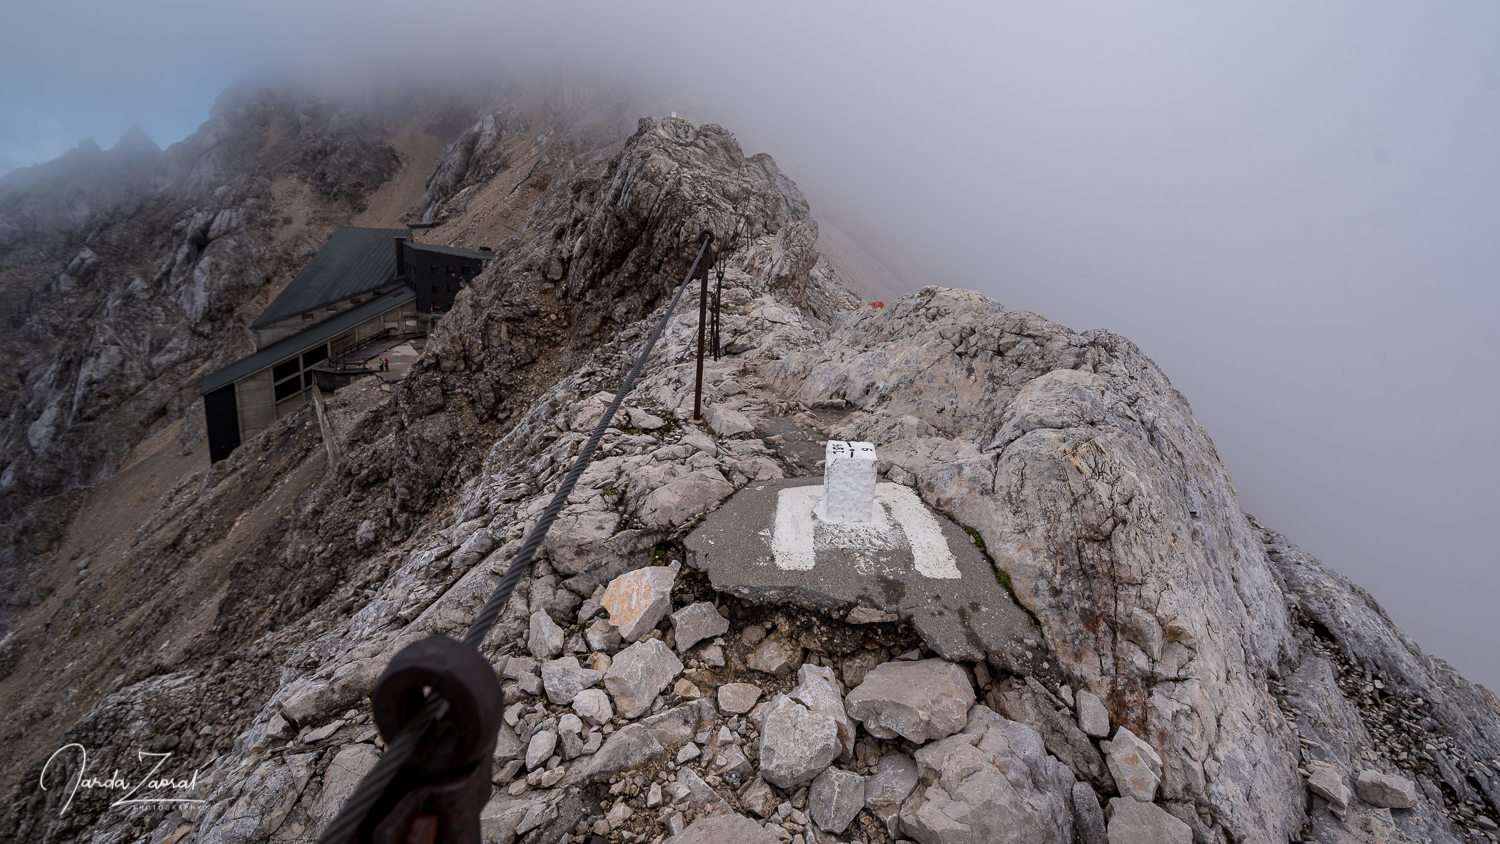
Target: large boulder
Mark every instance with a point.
(696, 622)
(796, 744)
(917, 700)
(835, 798)
(638, 674)
(1134, 822)
(991, 784)
(1135, 765)
(819, 691)
(564, 678)
(638, 600)
(894, 778)
(718, 829)
(1386, 790)
(631, 747)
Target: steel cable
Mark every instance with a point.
(405, 742)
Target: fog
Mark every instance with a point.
(1292, 208)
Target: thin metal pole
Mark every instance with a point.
(702, 325)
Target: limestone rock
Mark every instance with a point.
(868, 615)
(644, 420)
(630, 747)
(602, 636)
(565, 678)
(834, 798)
(540, 749)
(592, 705)
(570, 735)
(727, 422)
(270, 792)
(696, 622)
(525, 672)
(577, 541)
(1135, 765)
(737, 698)
(638, 674)
(1088, 818)
(637, 601)
(1328, 783)
(894, 778)
(1212, 615)
(312, 703)
(685, 498)
(323, 732)
(758, 797)
(1093, 718)
(994, 782)
(504, 818)
(344, 774)
(546, 637)
(696, 794)
(712, 656)
(855, 666)
(507, 746)
(733, 761)
(795, 744)
(1029, 703)
(1134, 822)
(920, 701)
(776, 655)
(676, 726)
(1385, 790)
(820, 692)
(718, 829)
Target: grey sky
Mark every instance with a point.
(1291, 207)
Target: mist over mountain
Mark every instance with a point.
(1163, 664)
(1288, 207)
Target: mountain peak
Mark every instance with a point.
(135, 142)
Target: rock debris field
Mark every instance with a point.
(657, 718)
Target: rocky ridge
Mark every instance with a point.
(1199, 678)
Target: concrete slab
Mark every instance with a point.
(767, 544)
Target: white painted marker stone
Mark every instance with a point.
(849, 482)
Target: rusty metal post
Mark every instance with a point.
(702, 326)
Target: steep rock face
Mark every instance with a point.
(1366, 702)
(1109, 510)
